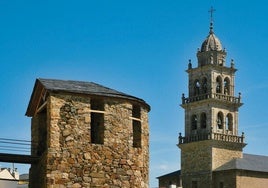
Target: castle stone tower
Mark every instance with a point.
(211, 116)
(87, 135)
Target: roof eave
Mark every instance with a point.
(39, 88)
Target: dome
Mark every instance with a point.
(212, 43)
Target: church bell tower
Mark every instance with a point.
(212, 136)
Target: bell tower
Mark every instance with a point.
(211, 115)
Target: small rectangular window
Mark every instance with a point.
(97, 104)
(136, 111)
(221, 185)
(97, 122)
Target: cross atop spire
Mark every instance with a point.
(211, 19)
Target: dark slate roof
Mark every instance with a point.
(83, 88)
(77, 87)
(175, 173)
(249, 162)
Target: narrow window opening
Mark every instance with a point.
(203, 120)
(218, 85)
(229, 122)
(136, 126)
(226, 86)
(221, 185)
(97, 122)
(220, 120)
(42, 132)
(194, 122)
(136, 112)
(196, 87)
(204, 86)
(97, 104)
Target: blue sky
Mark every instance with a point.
(137, 47)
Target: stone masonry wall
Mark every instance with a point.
(247, 179)
(240, 179)
(223, 155)
(226, 177)
(195, 157)
(73, 161)
(196, 164)
(199, 159)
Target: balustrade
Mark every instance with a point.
(217, 96)
(211, 136)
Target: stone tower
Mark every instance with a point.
(211, 116)
(87, 135)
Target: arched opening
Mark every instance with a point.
(220, 120)
(218, 85)
(203, 120)
(194, 122)
(204, 85)
(229, 122)
(227, 86)
(196, 87)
